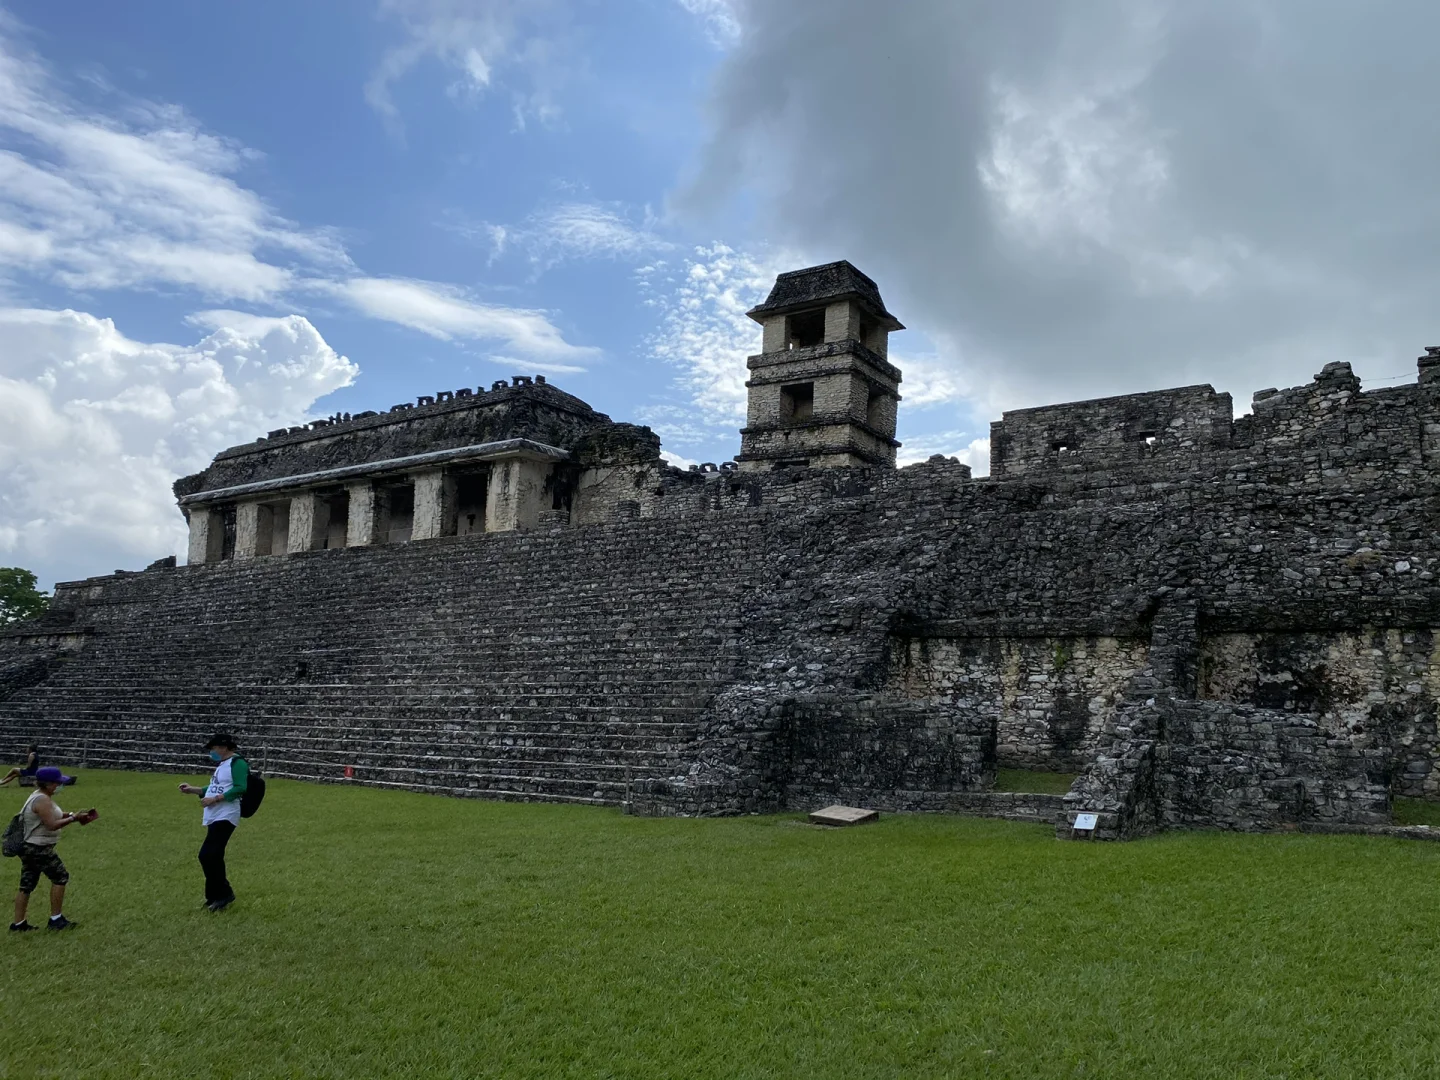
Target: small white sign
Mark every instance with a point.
(1086, 822)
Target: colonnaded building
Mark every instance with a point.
(503, 593)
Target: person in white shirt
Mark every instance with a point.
(221, 800)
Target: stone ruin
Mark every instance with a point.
(1215, 622)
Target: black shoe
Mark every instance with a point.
(221, 905)
(20, 927)
(62, 923)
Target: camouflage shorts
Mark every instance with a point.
(37, 859)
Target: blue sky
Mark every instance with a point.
(220, 218)
(570, 161)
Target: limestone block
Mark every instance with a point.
(599, 489)
(763, 406)
(516, 495)
(774, 335)
(843, 815)
(360, 528)
(253, 524)
(434, 505)
(842, 321)
(207, 536)
(833, 396)
(309, 522)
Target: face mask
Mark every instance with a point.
(214, 755)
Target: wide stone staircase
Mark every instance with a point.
(540, 667)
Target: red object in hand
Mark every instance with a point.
(88, 816)
(349, 772)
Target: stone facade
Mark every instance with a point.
(821, 392)
(1217, 622)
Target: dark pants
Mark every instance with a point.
(212, 858)
(37, 859)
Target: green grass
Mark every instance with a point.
(1029, 780)
(1415, 812)
(384, 933)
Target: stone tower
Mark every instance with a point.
(821, 391)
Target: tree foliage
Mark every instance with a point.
(19, 598)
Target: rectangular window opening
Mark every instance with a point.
(338, 528)
(227, 533)
(797, 402)
(470, 492)
(400, 504)
(806, 328)
(875, 409)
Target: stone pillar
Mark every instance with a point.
(207, 536)
(842, 321)
(1429, 366)
(516, 494)
(434, 505)
(309, 521)
(380, 500)
(360, 528)
(774, 337)
(254, 526)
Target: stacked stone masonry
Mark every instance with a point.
(1216, 622)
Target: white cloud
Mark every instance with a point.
(567, 232)
(722, 24)
(1080, 199)
(97, 203)
(148, 201)
(703, 329)
(94, 426)
(671, 458)
(519, 366)
(448, 313)
(929, 380)
(480, 42)
(578, 230)
(956, 444)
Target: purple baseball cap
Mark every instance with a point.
(49, 774)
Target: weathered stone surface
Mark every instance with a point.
(1222, 623)
(843, 815)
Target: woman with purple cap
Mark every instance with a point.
(41, 819)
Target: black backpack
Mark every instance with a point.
(14, 837)
(253, 794)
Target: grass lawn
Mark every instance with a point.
(1415, 812)
(383, 933)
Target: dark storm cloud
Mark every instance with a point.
(1087, 198)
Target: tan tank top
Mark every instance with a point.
(35, 829)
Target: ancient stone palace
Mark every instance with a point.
(498, 591)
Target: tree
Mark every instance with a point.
(19, 598)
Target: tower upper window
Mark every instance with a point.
(807, 328)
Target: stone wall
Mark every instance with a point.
(528, 408)
(1050, 696)
(710, 641)
(1364, 686)
(1133, 430)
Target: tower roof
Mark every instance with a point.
(814, 285)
